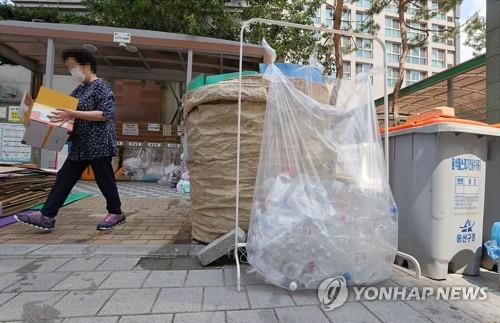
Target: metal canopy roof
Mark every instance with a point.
(160, 55)
(462, 87)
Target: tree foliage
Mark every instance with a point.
(43, 14)
(475, 29)
(194, 17)
(291, 44)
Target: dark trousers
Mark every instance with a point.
(71, 172)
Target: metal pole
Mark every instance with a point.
(189, 67)
(49, 65)
(449, 99)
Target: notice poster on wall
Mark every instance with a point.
(130, 129)
(3, 112)
(11, 148)
(154, 127)
(14, 114)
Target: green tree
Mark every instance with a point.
(43, 14)
(291, 44)
(194, 17)
(413, 11)
(475, 29)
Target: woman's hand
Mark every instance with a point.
(61, 115)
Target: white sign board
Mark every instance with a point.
(130, 129)
(119, 37)
(11, 148)
(154, 127)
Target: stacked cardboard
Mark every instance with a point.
(21, 189)
(150, 132)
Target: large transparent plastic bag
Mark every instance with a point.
(322, 204)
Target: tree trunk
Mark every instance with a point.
(339, 70)
(402, 60)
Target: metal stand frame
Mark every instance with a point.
(245, 25)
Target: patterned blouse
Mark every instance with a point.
(94, 139)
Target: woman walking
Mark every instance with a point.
(93, 143)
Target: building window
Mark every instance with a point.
(346, 45)
(362, 19)
(439, 14)
(364, 68)
(392, 8)
(364, 48)
(438, 58)
(364, 3)
(392, 27)
(346, 70)
(417, 55)
(416, 30)
(346, 20)
(438, 33)
(317, 17)
(392, 76)
(393, 51)
(413, 9)
(329, 16)
(413, 76)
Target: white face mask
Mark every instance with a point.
(77, 73)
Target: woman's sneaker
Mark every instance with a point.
(36, 219)
(110, 221)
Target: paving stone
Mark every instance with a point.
(305, 297)
(43, 265)
(82, 303)
(18, 250)
(266, 296)
(301, 314)
(205, 278)
(115, 263)
(31, 306)
(9, 265)
(224, 298)
(245, 279)
(9, 279)
(124, 250)
(169, 278)
(172, 250)
(82, 264)
(396, 312)
(175, 300)
(352, 313)
(37, 282)
(251, 316)
(130, 301)
(4, 297)
(152, 318)
(61, 249)
(125, 279)
(440, 311)
(82, 280)
(109, 319)
(483, 311)
(205, 317)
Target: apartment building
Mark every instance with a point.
(365, 54)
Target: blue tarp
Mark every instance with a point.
(296, 70)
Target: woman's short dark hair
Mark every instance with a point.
(82, 57)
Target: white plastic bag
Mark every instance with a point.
(322, 204)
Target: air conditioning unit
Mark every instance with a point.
(450, 65)
(450, 42)
(450, 19)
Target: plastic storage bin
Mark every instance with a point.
(437, 175)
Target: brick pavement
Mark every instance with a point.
(44, 284)
(150, 221)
